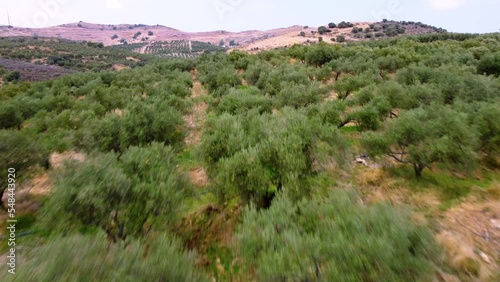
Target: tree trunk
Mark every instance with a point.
(418, 168)
(2, 190)
(337, 76)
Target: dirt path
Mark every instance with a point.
(195, 122)
(197, 117)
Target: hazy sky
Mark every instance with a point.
(236, 15)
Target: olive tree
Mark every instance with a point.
(424, 136)
(123, 198)
(334, 239)
(257, 156)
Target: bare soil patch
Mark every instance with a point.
(198, 177)
(471, 238)
(196, 118)
(57, 159)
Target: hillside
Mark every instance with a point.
(248, 40)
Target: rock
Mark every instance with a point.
(361, 161)
(495, 223)
(485, 257)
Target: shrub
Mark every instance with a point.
(242, 101)
(298, 96)
(489, 64)
(115, 36)
(145, 123)
(20, 150)
(340, 39)
(335, 239)
(319, 55)
(332, 25)
(141, 125)
(119, 197)
(257, 156)
(488, 125)
(10, 115)
(12, 76)
(137, 34)
(150, 33)
(344, 24)
(323, 30)
(90, 258)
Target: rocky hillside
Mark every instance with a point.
(146, 35)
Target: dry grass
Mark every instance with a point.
(119, 67)
(469, 231)
(494, 191)
(57, 159)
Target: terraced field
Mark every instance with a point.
(174, 48)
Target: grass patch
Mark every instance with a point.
(450, 188)
(221, 263)
(322, 183)
(350, 129)
(188, 159)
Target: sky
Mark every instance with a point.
(476, 16)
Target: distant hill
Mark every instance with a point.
(145, 38)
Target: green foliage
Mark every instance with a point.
(120, 197)
(335, 239)
(241, 60)
(218, 77)
(298, 96)
(142, 124)
(340, 39)
(332, 25)
(12, 76)
(319, 55)
(488, 125)
(83, 56)
(20, 150)
(256, 156)
(323, 30)
(424, 136)
(242, 101)
(10, 116)
(91, 258)
(344, 24)
(489, 64)
(274, 140)
(272, 80)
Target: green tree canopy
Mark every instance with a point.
(423, 136)
(334, 239)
